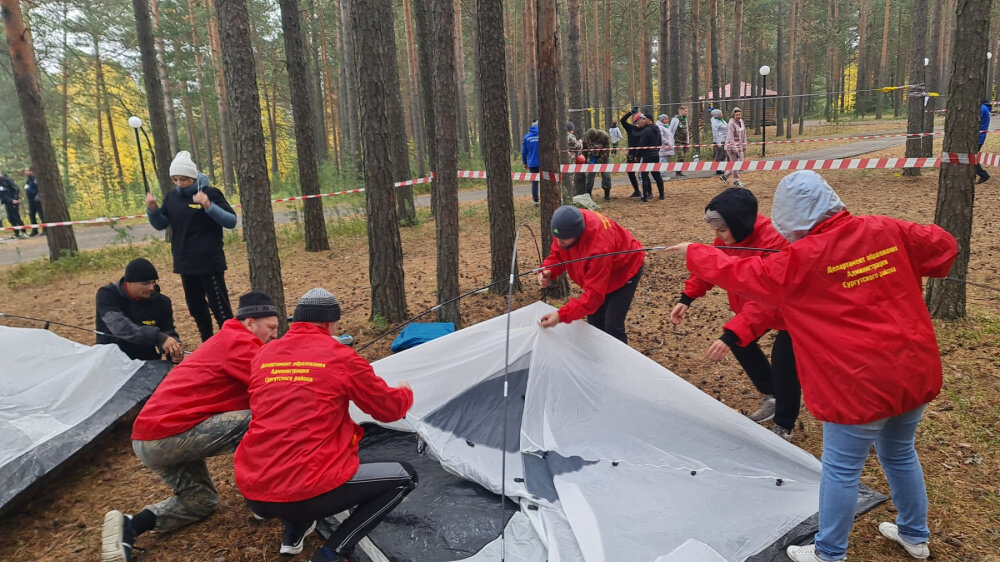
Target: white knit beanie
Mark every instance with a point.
(183, 165)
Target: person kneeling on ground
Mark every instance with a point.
(299, 459)
(133, 315)
(849, 290)
(200, 410)
(608, 282)
(734, 217)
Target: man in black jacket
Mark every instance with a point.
(632, 156)
(136, 317)
(649, 138)
(197, 213)
(34, 200)
(10, 196)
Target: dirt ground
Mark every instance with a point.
(957, 440)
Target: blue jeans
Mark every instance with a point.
(534, 184)
(845, 449)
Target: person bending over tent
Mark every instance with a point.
(136, 317)
(733, 215)
(200, 410)
(608, 283)
(849, 290)
(299, 459)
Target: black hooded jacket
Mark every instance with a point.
(138, 327)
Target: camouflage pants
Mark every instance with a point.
(180, 462)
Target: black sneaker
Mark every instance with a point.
(983, 178)
(636, 194)
(292, 541)
(117, 537)
(326, 554)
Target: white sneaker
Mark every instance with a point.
(891, 531)
(291, 542)
(806, 553)
(766, 410)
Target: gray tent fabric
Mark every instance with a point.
(617, 458)
(57, 397)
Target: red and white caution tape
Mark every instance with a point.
(759, 165)
(959, 158)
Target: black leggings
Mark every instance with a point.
(198, 288)
(647, 188)
(632, 158)
(778, 378)
(610, 317)
(374, 491)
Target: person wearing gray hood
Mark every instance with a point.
(849, 290)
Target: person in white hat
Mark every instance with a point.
(196, 212)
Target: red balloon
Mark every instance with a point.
(581, 159)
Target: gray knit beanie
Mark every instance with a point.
(318, 305)
(568, 222)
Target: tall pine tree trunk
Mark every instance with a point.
(60, 239)
(956, 190)
(161, 63)
(255, 191)
(459, 63)
(574, 76)
(662, 59)
(791, 70)
(779, 72)
(606, 45)
(302, 115)
(493, 107)
(735, 88)
(714, 40)
(405, 210)
(931, 77)
(696, 108)
(675, 56)
(425, 52)
(349, 101)
(154, 94)
(222, 90)
(861, 103)
(416, 118)
(915, 99)
(202, 94)
(446, 147)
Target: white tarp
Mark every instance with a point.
(620, 458)
(49, 384)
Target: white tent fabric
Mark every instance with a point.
(49, 384)
(616, 457)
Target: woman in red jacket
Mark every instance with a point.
(608, 283)
(299, 459)
(733, 215)
(849, 290)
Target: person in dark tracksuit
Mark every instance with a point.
(649, 138)
(136, 317)
(632, 156)
(10, 196)
(197, 213)
(35, 212)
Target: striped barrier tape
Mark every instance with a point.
(989, 159)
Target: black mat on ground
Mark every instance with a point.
(803, 533)
(445, 518)
(22, 474)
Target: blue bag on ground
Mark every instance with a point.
(416, 334)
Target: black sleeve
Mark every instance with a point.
(686, 300)
(729, 338)
(123, 328)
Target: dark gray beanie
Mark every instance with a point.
(318, 305)
(567, 222)
(255, 304)
(140, 270)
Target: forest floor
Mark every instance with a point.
(957, 440)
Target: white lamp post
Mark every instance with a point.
(136, 124)
(764, 71)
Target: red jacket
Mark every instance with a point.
(850, 293)
(210, 381)
(302, 441)
(752, 319)
(599, 276)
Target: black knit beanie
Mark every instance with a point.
(567, 222)
(140, 270)
(738, 207)
(318, 305)
(255, 304)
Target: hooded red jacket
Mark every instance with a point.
(302, 441)
(850, 293)
(210, 381)
(752, 319)
(601, 276)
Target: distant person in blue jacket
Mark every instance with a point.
(984, 125)
(529, 156)
(196, 212)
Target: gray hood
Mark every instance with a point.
(802, 201)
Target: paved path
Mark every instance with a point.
(99, 236)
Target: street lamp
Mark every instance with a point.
(136, 124)
(764, 71)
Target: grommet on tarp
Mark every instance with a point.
(533, 507)
(779, 482)
(694, 472)
(519, 480)
(614, 463)
(470, 443)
